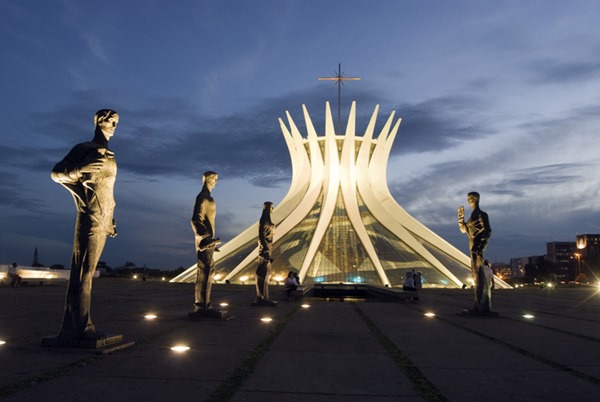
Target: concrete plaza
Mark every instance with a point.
(329, 351)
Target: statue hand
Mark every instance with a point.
(92, 167)
(94, 162)
(461, 213)
(209, 244)
(114, 229)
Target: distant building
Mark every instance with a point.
(564, 259)
(517, 267)
(588, 246)
(502, 270)
(562, 255)
(527, 267)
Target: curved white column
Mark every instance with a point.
(321, 177)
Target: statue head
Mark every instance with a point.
(473, 199)
(106, 121)
(209, 180)
(267, 211)
(268, 206)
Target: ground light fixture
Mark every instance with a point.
(150, 316)
(429, 314)
(305, 305)
(180, 348)
(224, 304)
(266, 319)
(2, 342)
(528, 316)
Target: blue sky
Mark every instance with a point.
(499, 97)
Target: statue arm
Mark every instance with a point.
(487, 229)
(66, 171)
(265, 241)
(199, 219)
(461, 219)
(202, 229)
(83, 158)
(484, 232)
(204, 237)
(263, 231)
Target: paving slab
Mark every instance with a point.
(328, 350)
(461, 358)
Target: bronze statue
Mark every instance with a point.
(203, 224)
(266, 231)
(479, 231)
(88, 172)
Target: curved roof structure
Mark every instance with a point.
(339, 222)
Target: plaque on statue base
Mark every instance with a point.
(82, 343)
(263, 303)
(209, 314)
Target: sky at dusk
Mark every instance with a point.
(498, 97)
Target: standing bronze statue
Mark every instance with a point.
(88, 172)
(203, 225)
(479, 231)
(266, 232)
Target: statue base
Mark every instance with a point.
(209, 313)
(263, 303)
(475, 313)
(82, 343)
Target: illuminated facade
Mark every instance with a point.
(338, 221)
(588, 250)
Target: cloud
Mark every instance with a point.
(15, 195)
(437, 124)
(552, 72)
(555, 175)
